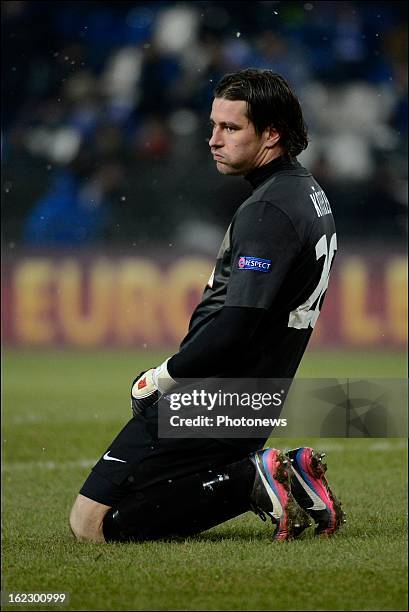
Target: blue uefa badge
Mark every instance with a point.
(254, 263)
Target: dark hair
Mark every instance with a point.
(270, 101)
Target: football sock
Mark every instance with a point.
(183, 506)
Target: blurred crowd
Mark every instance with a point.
(106, 105)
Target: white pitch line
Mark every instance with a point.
(58, 418)
(380, 445)
(19, 466)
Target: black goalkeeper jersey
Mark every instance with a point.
(276, 256)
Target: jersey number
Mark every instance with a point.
(305, 315)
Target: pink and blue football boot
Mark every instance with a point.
(271, 494)
(312, 492)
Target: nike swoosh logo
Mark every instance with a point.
(318, 504)
(108, 458)
(277, 507)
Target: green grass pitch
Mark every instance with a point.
(62, 408)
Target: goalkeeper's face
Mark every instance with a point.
(235, 145)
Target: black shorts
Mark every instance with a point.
(137, 459)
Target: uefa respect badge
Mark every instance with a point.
(254, 263)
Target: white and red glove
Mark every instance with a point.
(149, 386)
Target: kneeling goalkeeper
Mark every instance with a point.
(255, 319)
